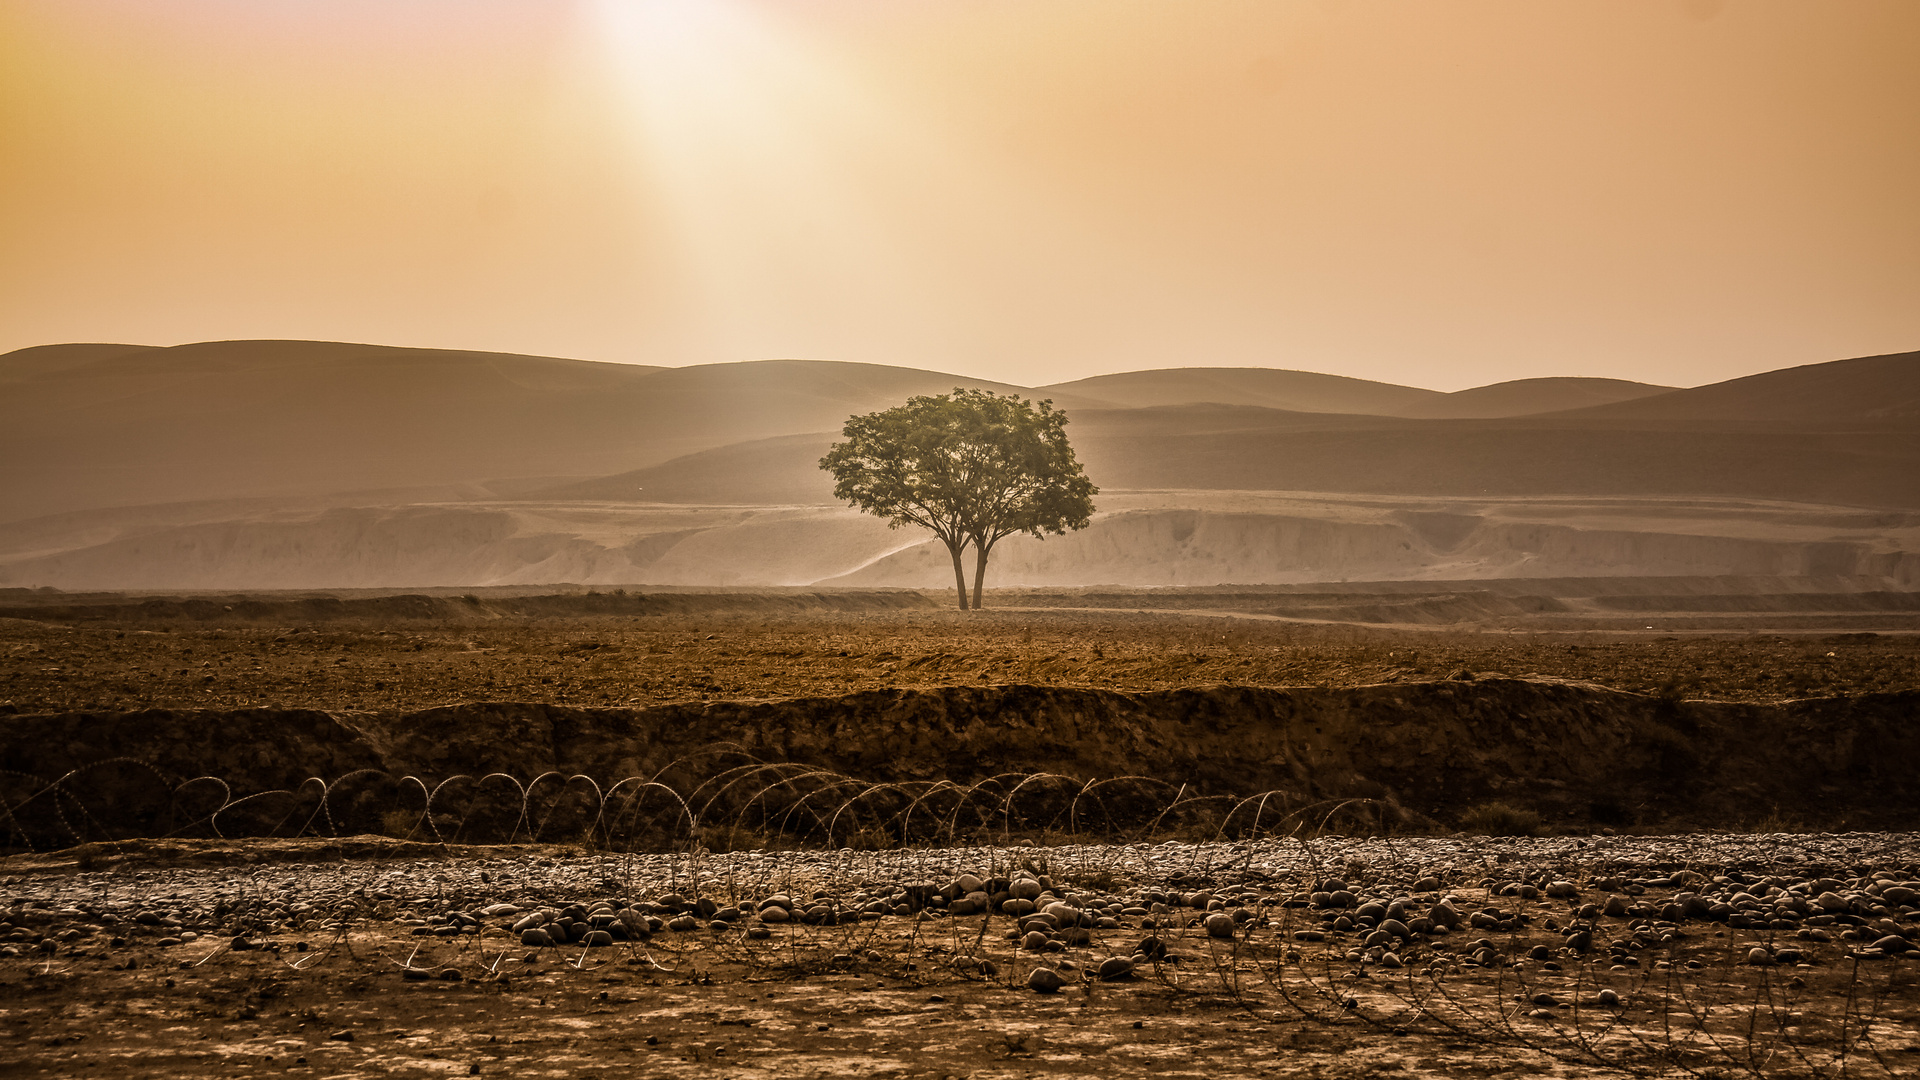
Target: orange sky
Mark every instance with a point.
(1439, 193)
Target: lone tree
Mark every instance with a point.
(971, 466)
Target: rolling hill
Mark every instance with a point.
(96, 426)
(316, 464)
(1306, 391)
(1869, 391)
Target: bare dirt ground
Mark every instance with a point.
(47, 667)
(351, 986)
(162, 962)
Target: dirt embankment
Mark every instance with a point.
(1580, 755)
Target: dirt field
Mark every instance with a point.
(47, 667)
(348, 966)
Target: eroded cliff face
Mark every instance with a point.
(1580, 755)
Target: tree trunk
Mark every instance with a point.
(959, 572)
(979, 571)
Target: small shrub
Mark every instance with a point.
(1500, 819)
(399, 824)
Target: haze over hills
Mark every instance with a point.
(253, 464)
(1866, 391)
(1306, 391)
(94, 426)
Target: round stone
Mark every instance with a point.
(1759, 957)
(1034, 941)
(774, 913)
(535, 936)
(1025, 889)
(1220, 925)
(1045, 981)
(597, 939)
(1116, 967)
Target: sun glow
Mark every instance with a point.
(805, 199)
(773, 170)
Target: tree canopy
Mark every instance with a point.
(972, 467)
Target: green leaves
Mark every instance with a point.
(970, 466)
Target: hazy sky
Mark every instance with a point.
(1435, 192)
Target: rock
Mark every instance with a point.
(1396, 928)
(683, 923)
(1115, 968)
(1220, 925)
(1562, 890)
(967, 883)
(1025, 889)
(1759, 957)
(1609, 998)
(1427, 884)
(536, 937)
(1444, 914)
(598, 939)
(1893, 943)
(1045, 981)
(774, 914)
(1152, 948)
(341, 1036)
(1391, 960)
(1034, 941)
(1545, 1001)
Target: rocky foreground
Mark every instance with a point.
(1760, 954)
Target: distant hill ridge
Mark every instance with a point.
(86, 426)
(1307, 391)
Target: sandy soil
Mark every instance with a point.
(645, 661)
